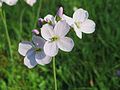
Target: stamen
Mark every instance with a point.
(77, 24)
(55, 38)
(38, 49)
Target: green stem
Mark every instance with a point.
(54, 71)
(38, 12)
(6, 32)
(21, 25)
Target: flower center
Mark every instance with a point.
(38, 49)
(77, 24)
(55, 38)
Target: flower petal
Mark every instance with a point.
(66, 44)
(47, 60)
(29, 59)
(42, 59)
(38, 41)
(88, 26)
(80, 15)
(61, 28)
(78, 31)
(24, 47)
(47, 31)
(69, 20)
(50, 48)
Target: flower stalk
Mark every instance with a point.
(6, 32)
(54, 72)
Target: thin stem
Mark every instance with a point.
(21, 25)
(7, 34)
(54, 71)
(38, 12)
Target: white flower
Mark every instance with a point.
(31, 2)
(80, 22)
(33, 52)
(56, 39)
(10, 2)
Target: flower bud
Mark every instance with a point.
(60, 12)
(35, 31)
(40, 22)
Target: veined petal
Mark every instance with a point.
(42, 59)
(24, 47)
(69, 20)
(65, 44)
(80, 15)
(88, 26)
(61, 28)
(10, 2)
(78, 31)
(50, 48)
(47, 31)
(29, 59)
(38, 41)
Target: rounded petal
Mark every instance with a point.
(66, 44)
(50, 48)
(39, 56)
(42, 59)
(69, 20)
(10, 2)
(29, 59)
(61, 28)
(88, 26)
(38, 41)
(24, 47)
(78, 31)
(47, 31)
(47, 60)
(80, 15)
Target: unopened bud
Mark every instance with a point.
(35, 31)
(40, 22)
(60, 12)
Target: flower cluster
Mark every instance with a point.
(53, 31)
(13, 2)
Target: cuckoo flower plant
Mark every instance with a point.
(80, 22)
(56, 38)
(33, 52)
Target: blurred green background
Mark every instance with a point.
(92, 65)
